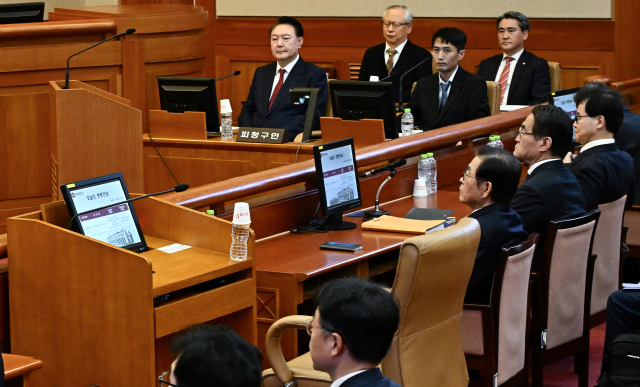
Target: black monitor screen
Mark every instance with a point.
(355, 100)
(564, 100)
(181, 94)
(21, 13)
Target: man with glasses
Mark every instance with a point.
(213, 356)
(550, 191)
(486, 186)
(395, 57)
(351, 332)
(604, 172)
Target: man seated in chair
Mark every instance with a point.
(351, 332)
(605, 173)
(486, 186)
(213, 355)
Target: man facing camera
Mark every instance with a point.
(397, 55)
(605, 173)
(351, 332)
(452, 95)
(268, 104)
(486, 186)
(550, 191)
(523, 77)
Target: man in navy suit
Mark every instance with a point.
(398, 55)
(452, 95)
(550, 191)
(351, 332)
(268, 104)
(487, 186)
(525, 77)
(604, 172)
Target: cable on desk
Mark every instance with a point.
(314, 225)
(298, 150)
(161, 158)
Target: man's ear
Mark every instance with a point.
(337, 345)
(546, 144)
(488, 189)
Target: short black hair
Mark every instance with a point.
(502, 169)
(552, 121)
(293, 22)
(216, 356)
(364, 314)
(601, 101)
(451, 35)
(523, 21)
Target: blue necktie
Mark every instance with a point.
(443, 99)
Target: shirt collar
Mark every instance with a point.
(515, 56)
(398, 49)
(539, 163)
(593, 143)
(288, 67)
(338, 382)
(451, 77)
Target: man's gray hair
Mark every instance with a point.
(523, 21)
(408, 15)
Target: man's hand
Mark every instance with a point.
(568, 158)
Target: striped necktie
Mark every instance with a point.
(504, 77)
(391, 53)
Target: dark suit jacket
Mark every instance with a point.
(369, 378)
(283, 113)
(530, 82)
(551, 192)
(467, 100)
(499, 226)
(628, 140)
(373, 63)
(604, 174)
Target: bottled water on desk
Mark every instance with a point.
(240, 232)
(492, 141)
(498, 142)
(432, 181)
(407, 123)
(226, 131)
(423, 169)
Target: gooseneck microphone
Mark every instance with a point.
(377, 212)
(389, 76)
(237, 72)
(405, 73)
(177, 188)
(388, 167)
(66, 77)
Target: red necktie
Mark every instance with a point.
(505, 77)
(278, 87)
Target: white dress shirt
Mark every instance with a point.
(287, 70)
(593, 143)
(338, 382)
(516, 58)
(442, 81)
(535, 165)
(396, 56)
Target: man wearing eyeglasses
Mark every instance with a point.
(550, 191)
(395, 57)
(351, 332)
(486, 186)
(605, 173)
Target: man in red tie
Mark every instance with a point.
(268, 104)
(523, 77)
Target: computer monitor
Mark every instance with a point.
(183, 94)
(564, 100)
(354, 100)
(21, 13)
(338, 185)
(117, 225)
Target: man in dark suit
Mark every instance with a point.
(487, 186)
(604, 172)
(550, 191)
(524, 78)
(623, 316)
(453, 95)
(628, 140)
(398, 55)
(351, 332)
(268, 104)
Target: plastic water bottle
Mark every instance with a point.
(407, 123)
(240, 232)
(225, 120)
(432, 181)
(498, 142)
(423, 169)
(492, 141)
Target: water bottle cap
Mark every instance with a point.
(429, 154)
(225, 106)
(241, 213)
(407, 110)
(491, 138)
(211, 212)
(497, 137)
(424, 156)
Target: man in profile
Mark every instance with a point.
(486, 186)
(452, 95)
(395, 57)
(523, 77)
(268, 104)
(550, 191)
(352, 329)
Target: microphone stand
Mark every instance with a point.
(377, 212)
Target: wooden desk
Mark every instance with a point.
(17, 369)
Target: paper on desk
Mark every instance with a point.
(630, 286)
(174, 248)
(510, 108)
(403, 225)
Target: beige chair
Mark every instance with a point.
(555, 72)
(493, 92)
(431, 279)
(563, 296)
(632, 223)
(494, 335)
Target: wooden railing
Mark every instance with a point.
(630, 89)
(57, 28)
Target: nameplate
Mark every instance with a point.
(261, 135)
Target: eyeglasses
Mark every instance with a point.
(395, 25)
(464, 177)
(309, 327)
(163, 381)
(521, 132)
(577, 118)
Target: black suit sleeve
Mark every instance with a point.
(478, 100)
(249, 107)
(529, 205)
(365, 66)
(317, 79)
(541, 82)
(483, 71)
(414, 105)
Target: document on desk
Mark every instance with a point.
(406, 226)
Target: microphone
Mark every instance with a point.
(66, 77)
(407, 72)
(237, 72)
(177, 188)
(388, 167)
(388, 76)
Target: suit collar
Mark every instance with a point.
(520, 65)
(596, 149)
(598, 144)
(495, 207)
(363, 379)
(292, 79)
(405, 56)
(553, 164)
(456, 85)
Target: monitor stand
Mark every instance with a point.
(335, 223)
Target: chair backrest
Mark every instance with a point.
(555, 72)
(565, 286)
(354, 71)
(430, 284)
(493, 92)
(606, 246)
(632, 221)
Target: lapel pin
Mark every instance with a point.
(524, 63)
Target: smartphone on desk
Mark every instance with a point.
(338, 246)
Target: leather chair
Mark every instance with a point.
(431, 280)
(493, 92)
(494, 335)
(555, 72)
(562, 296)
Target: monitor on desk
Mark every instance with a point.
(564, 100)
(338, 184)
(184, 94)
(21, 13)
(355, 100)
